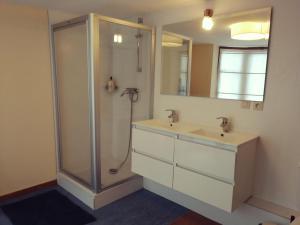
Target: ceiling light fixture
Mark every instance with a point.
(207, 22)
(171, 41)
(266, 30)
(250, 31)
(118, 38)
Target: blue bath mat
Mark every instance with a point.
(50, 208)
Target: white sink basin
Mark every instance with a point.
(232, 138)
(219, 136)
(175, 127)
(198, 132)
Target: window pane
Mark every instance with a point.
(242, 74)
(254, 84)
(243, 61)
(229, 83)
(231, 62)
(184, 63)
(241, 97)
(257, 63)
(250, 84)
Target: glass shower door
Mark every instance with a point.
(125, 53)
(73, 101)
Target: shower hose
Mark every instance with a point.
(133, 97)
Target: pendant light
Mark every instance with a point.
(249, 31)
(207, 22)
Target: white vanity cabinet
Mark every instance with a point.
(218, 176)
(209, 160)
(152, 155)
(216, 173)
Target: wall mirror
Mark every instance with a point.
(227, 62)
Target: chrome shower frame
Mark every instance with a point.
(93, 42)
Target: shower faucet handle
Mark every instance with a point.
(129, 91)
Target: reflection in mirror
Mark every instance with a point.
(175, 57)
(227, 62)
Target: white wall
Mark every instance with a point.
(57, 16)
(27, 150)
(278, 155)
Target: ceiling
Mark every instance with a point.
(116, 8)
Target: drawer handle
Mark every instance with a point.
(152, 157)
(205, 174)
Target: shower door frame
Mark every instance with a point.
(83, 20)
(97, 19)
(92, 22)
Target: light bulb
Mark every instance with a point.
(266, 30)
(207, 23)
(118, 38)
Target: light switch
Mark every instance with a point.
(258, 106)
(245, 104)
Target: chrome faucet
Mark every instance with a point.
(225, 124)
(173, 117)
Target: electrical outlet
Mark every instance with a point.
(245, 104)
(258, 106)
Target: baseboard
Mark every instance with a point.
(272, 207)
(245, 214)
(28, 190)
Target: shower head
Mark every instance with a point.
(139, 35)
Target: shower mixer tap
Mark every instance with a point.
(130, 91)
(133, 94)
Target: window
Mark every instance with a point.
(242, 73)
(182, 89)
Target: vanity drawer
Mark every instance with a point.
(208, 190)
(153, 169)
(207, 160)
(153, 144)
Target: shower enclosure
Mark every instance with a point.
(92, 118)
